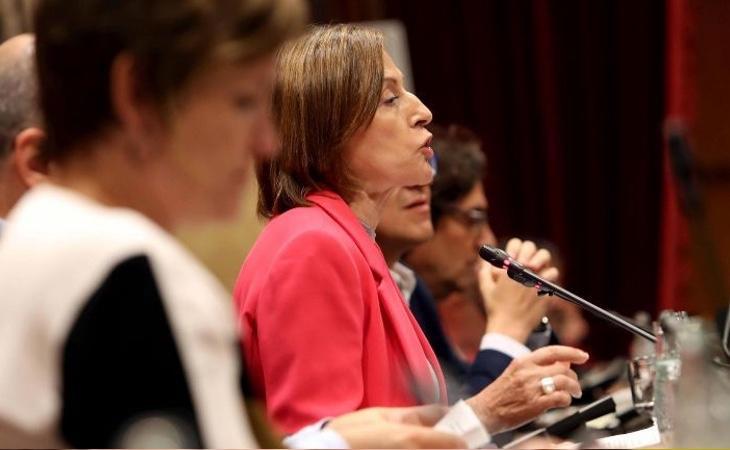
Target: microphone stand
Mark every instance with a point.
(528, 278)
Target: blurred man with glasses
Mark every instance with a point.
(430, 236)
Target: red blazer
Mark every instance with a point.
(325, 329)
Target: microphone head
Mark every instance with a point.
(494, 256)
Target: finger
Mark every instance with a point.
(568, 384)
(486, 272)
(540, 260)
(552, 353)
(513, 247)
(430, 438)
(526, 252)
(558, 368)
(426, 415)
(497, 273)
(558, 399)
(550, 274)
(487, 279)
(393, 435)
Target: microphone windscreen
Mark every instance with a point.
(493, 256)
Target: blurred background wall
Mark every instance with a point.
(709, 24)
(569, 97)
(15, 17)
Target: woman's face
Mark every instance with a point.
(395, 149)
(219, 126)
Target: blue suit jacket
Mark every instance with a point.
(462, 379)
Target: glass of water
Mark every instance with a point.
(641, 378)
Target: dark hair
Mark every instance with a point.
(170, 40)
(461, 165)
(328, 85)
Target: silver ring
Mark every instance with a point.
(548, 385)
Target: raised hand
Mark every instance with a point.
(528, 387)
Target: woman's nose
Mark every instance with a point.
(422, 116)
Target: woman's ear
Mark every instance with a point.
(30, 165)
(133, 109)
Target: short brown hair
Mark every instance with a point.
(18, 100)
(461, 165)
(328, 86)
(170, 40)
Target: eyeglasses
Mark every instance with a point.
(474, 218)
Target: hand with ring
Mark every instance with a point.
(548, 385)
(528, 387)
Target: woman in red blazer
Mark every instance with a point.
(325, 329)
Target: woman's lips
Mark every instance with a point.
(427, 152)
(419, 205)
(426, 147)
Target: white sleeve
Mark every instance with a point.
(462, 421)
(316, 436)
(503, 343)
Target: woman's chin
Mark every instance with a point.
(428, 175)
(422, 177)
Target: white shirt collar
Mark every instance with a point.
(405, 279)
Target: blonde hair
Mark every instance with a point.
(328, 86)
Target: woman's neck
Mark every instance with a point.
(368, 206)
(109, 175)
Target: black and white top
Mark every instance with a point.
(110, 329)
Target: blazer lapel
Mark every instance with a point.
(394, 308)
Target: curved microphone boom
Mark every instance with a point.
(526, 277)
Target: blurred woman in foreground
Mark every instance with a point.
(111, 334)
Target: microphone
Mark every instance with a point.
(521, 274)
(565, 426)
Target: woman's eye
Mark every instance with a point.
(245, 102)
(391, 100)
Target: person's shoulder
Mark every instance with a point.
(59, 248)
(302, 228)
(301, 239)
(54, 230)
(61, 220)
(302, 218)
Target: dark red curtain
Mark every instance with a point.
(680, 105)
(569, 97)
